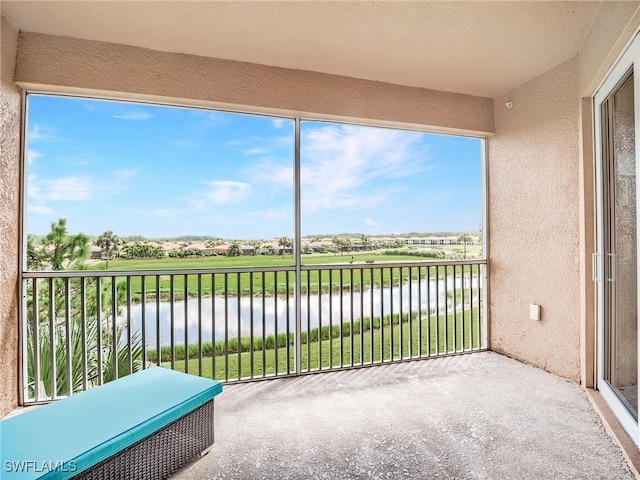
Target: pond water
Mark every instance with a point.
(218, 316)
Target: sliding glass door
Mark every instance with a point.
(616, 263)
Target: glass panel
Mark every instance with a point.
(371, 194)
(621, 327)
(180, 187)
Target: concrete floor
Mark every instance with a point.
(479, 416)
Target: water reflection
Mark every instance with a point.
(221, 316)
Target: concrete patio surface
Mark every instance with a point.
(479, 416)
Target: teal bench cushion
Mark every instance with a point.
(63, 438)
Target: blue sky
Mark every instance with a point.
(161, 172)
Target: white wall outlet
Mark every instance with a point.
(534, 312)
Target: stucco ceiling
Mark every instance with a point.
(478, 48)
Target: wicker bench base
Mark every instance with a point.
(162, 453)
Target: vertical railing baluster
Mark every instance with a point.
(481, 307)
(214, 347)
(428, 292)
(372, 317)
(251, 328)
(52, 340)
(185, 295)
(455, 311)
(308, 320)
(264, 326)
(382, 315)
(446, 310)
(401, 314)
(471, 304)
(341, 318)
(83, 326)
(478, 304)
(143, 318)
(391, 313)
(462, 309)
(275, 319)
(320, 318)
(226, 327)
(114, 327)
(239, 323)
(287, 321)
(420, 311)
(99, 329)
(67, 335)
(199, 278)
(129, 333)
(158, 342)
(35, 332)
(351, 332)
(172, 322)
(410, 311)
(437, 322)
(362, 316)
(330, 318)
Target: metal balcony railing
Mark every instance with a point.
(82, 328)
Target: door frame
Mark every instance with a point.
(630, 59)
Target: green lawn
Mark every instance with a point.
(257, 282)
(410, 339)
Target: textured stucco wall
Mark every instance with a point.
(102, 68)
(610, 31)
(10, 107)
(541, 206)
(534, 222)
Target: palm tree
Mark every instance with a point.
(256, 244)
(53, 334)
(83, 349)
(365, 241)
(285, 242)
(464, 238)
(342, 243)
(109, 244)
(337, 243)
(347, 244)
(234, 249)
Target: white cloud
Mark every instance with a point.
(220, 192)
(351, 166)
(70, 189)
(77, 188)
(41, 210)
(256, 151)
(33, 155)
(134, 116)
(38, 133)
(272, 173)
(371, 222)
(280, 122)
